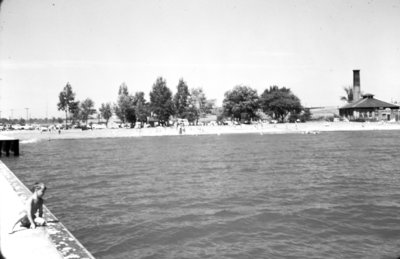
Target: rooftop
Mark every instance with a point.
(368, 101)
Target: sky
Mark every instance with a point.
(309, 46)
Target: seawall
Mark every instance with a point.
(51, 241)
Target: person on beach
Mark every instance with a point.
(34, 204)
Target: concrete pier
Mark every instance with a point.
(52, 241)
(8, 145)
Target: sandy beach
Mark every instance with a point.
(286, 128)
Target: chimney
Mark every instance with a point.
(356, 85)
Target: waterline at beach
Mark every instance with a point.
(285, 128)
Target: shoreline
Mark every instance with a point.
(26, 136)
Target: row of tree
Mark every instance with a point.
(240, 103)
(131, 108)
(243, 103)
(76, 109)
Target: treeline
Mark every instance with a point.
(131, 108)
(280, 104)
(241, 103)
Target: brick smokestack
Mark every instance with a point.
(356, 85)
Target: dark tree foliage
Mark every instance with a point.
(124, 103)
(181, 99)
(303, 116)
(130, 115)
(161, 101)
(306, 115)
(141, 107)
(123, 90)
(349, 94)
(279, 102)
(106, 111)
(75, 111)
(139, 98)
(191, 114)
(87, 109)
(241, 100)
(66, 97)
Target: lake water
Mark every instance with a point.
(332, 195)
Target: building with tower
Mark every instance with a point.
(366, 107)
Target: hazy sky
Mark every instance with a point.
(308, 46)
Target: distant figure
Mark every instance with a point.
(34, 204)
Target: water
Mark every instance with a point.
(333, 195)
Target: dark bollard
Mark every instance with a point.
(15, 147)
(7, 147)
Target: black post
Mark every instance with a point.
(15, 147)
(7, 147)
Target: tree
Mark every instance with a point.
(303, 116)
(106, 111)
(191, 114)
(197, 104)
(130, 115)
(66, 97)
(87, 109)
(75, 111)
(349, 94)
(161, 101)
(181, 99)
(123, 89)
(262, 115)
(200, 102)
(210, 105)
(124, 102)
(241, 101)
(141, 107)
(279, 102)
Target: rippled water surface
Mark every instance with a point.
(332, 195)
